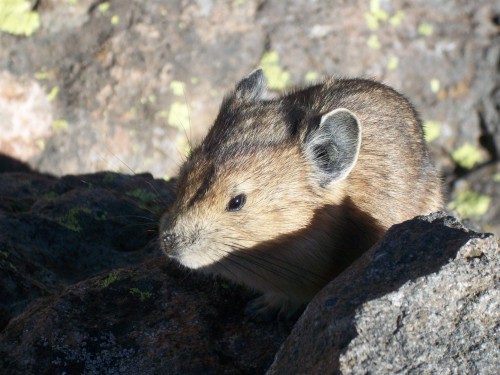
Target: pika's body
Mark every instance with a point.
(283, 194)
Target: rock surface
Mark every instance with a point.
(86, 291)
(425, 299)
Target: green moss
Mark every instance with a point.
(496, 177)
(470, 203)
(141, 294)
(71, 219)
(4, 261)
(109, 177)
(112, 277)
(277, 77)
(17, 18)
(115, 20)
(50, 196)
(467, 156)
(142, 195)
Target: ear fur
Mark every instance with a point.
(252, 87)
(334, 146)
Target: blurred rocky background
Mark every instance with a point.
(128, 85)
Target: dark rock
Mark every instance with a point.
(140, 315)
(424, 299)
(55, 232)
(148, 319)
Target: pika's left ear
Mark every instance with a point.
(334, 146)
(252, 87)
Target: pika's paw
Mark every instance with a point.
(271, 307)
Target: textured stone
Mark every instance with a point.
(424, 299)
(85, 289)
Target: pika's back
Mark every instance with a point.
(393, 165)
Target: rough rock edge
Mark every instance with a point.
(328, 337)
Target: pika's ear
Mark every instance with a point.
(252, 87)
(334, 146)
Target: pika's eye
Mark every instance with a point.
(236, 203)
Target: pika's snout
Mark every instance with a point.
(169, 242)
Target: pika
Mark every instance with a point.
(284, 193)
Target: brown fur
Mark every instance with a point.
(293, 235)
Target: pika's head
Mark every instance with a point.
(263, 171)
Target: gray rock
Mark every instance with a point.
(404, 307)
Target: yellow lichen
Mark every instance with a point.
(434, 85)
(467, 156)
(425, 29)
(178, 116)
(393, 62)
(373, 42)
(183, 146)
(59, 125)
(41, 144)
(311, 76)
(432, 130)
(277, 77)
(53, 94)
(17, 18)
(469, 203)
(103, 7)
(397, 18)
(178, 87)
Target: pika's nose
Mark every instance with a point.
(169, 240)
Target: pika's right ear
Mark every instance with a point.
(252, 87)
(334, 146)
